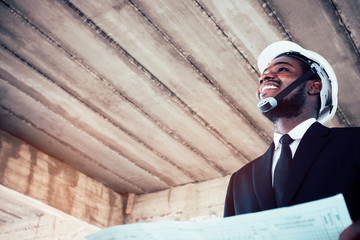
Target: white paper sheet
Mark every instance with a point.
(321, 219)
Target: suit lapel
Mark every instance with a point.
(261, 174)
(309, 148)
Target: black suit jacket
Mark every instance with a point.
(326, 162)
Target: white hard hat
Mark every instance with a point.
(329, 91)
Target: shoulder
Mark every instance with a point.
(345, 140)
(245, 171)
(319, 129)
(346, 130)
(345, 134)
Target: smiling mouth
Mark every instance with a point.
(268, 87)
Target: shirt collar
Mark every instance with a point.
(297, 132)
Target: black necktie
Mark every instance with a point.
(282, 168)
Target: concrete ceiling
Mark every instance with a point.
(148, 95)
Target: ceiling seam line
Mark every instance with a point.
(208, 126)
(340, 114)
(71, 56)
(272, 14)
(69, 122)
(154, 79)
(69, 146)
(343, 25)
(218, 27)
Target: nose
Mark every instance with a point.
(266, 76)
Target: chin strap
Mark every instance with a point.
(269, 103)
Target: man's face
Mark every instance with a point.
(280, 74)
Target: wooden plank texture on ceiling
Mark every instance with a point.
(148, 95)
(154, 103)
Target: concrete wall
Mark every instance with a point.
(33, 173)
(189, 202)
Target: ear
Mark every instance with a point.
(314, 87)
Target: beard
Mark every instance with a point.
(288, 108)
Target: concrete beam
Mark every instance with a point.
(197, 201)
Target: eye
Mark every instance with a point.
(283, 69)
(261, 80)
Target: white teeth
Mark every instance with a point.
(268, 87)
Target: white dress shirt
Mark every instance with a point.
(296, 134)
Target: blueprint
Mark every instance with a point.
(321, 219)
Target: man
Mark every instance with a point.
(312, 162)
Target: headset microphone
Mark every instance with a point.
(269, 103)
